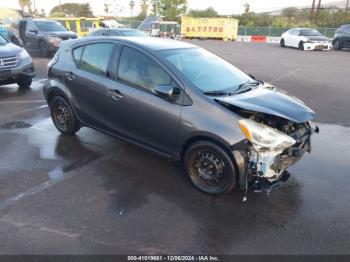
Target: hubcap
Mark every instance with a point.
(209, 168)
(62, 115)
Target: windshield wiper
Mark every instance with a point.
(216, 93)
(247, 86)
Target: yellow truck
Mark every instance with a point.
(221, 28)
(81, 25)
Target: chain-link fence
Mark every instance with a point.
(245, 30)
(277, 31)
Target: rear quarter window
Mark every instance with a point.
(77, 52)
(95, 58)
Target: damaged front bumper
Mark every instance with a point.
(262, 170)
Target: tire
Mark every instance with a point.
(301, 46)
(210, 168)
(63, 117)
(282, 43)
(25, 83)
(43, 48)
(337, 45)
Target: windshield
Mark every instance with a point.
(310, 32)
(205, 70)
(50, 26)
(133, 33)
(3, 41)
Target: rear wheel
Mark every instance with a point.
(337, 45)
(282, 43)
(63, 116)
(301, 46)
(210, 168)
(25, 82)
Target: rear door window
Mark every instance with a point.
(95, 58)
(138, 69)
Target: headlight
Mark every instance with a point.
(23, 54)
(55, 39)
(264, 137)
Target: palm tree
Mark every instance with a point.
(346, 6)
(25, 3)
(132, 5)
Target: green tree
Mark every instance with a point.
(289, 13)
(25, 4)
(144, 7)
(106, 8)
(246, 8)
(172, 10)
(155, 7)
(73, 10)
(209, 12)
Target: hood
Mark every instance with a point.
(317, 38)
(63, 34)
(273, 101)
(9, 50)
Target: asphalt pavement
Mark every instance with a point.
(94, 194)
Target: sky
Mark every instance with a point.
(224, 7)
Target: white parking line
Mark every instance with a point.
(24, 111)
(285, 75)
(22, 102)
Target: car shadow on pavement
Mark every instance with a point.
(137, 178)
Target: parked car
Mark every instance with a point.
(305, 39)
(16, 65)
(342, 37)
(117, 32)
(11, 34)
(181, 102)
(43, 35)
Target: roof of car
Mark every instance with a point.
(149, 43)
(41, 20)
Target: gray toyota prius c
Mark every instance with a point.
(184, 103)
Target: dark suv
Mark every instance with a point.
(43, 35)
(181, 102)
(16, 65)
(342, 37)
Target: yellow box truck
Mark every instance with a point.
(222, 28)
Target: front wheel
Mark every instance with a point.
(210, 168)
(63, 116)
(282, 43)
(24, 83)
(301, 46)
(337, 45)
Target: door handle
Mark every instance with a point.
(115, 94)
(69, 75)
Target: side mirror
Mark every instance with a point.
(33, 31)
(164, 91)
